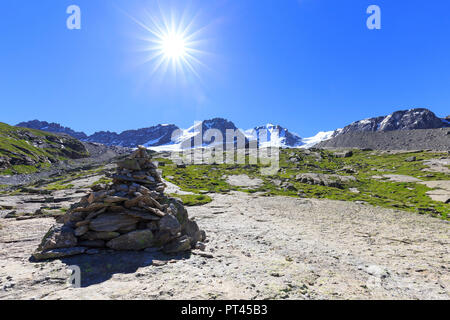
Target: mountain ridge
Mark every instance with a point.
(412, 119)
(171, 137)
(412, 129)
(161, 134)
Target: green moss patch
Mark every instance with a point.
(363, 165)
(40, 147)
(57, 186)
(193, 199)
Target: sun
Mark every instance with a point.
(173, 46)
(172, 43)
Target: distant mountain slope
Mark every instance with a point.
(161, 135)
(400, 120)
(171, 137)
(152, 136)
(24, 150)
(52, 127)
(406, 129)
(419, 139)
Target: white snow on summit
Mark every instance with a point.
(321, 136)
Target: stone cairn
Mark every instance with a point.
(132, 213)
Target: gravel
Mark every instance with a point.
(258, 248)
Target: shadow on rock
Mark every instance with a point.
(98, 268)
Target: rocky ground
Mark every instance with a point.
(32, 202)
(259, 248)
(262, 244)
(98, 155)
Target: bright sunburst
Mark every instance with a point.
(171, 43)
(173, 46)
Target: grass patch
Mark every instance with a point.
(363, 165)
(53, 213)
(102, 180)
(23, 169)
(57, 186)
(191, 200)
(38, 146)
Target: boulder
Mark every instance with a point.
(112, 222)
(328, 180)
(114, 199)
(163, 237)
(81, 230)
(58, 253)
(143, 215)
(178, 210)
(92, 235)
(59, 236)
(170, 223)
(136, 240)
(92, 207)
(344, 154)
(178, 245)
(92, 243)
(130, 164)
(96, 196)
(192, 231)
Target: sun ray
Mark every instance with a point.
(171, 42)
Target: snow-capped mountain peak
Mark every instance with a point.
(273, 136)
(321, 136)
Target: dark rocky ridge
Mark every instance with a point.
(162, 134)
(400, 120)
(159, 135)
(434, 139)
(152, 136)
(52, 127)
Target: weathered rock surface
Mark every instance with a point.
(136, 240)
(244, 181)
(259, 248)
(170, 223)
(59, 236)
(397, 178)
(178, 245)
(413, 119)
(329, 180)
(58, 253)
(91, 235)
(112, 222)
(441, 190)
(420, 139)
(438, 165)
(344, 154)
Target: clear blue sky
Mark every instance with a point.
(307, 65)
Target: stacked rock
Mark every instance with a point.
(132, 213)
